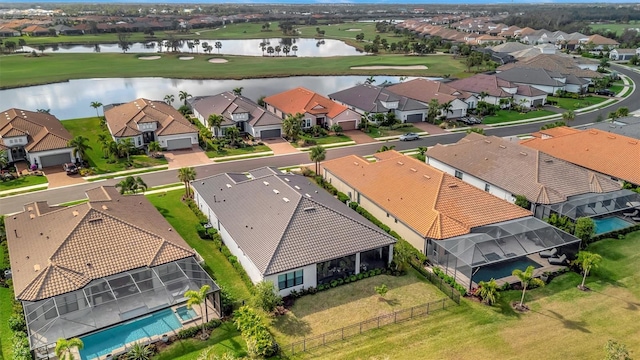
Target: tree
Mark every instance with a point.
(483, 95)
(80, 146)
(294, 48)
(198, 298)
(488, 291)
(286, 50)
(613, 115)
(616, 351)
(386, 148)
(4, 160)
(261, 101)
(218, 46)
(523, 202)
(208, 49)
(232, 133)
(402, 253)
(132, 185)
(41, 48)
(622, 111)
(125, 147)
(292, 126)
(568, 116)
(317, 155)
(169, 99)
(370, 80)
(238, 91)
(475, 130)
(196, 42)
(139, 351)
(336, 128)
(265, 296)
(433, 110)
(526, 279)
(64, 347)
(382, 290)
(187, 174)
(123, 41)
(270, 50)
(190, 45)
(10, 45)
(446, 108)
(215, 121)
(154, 147)
(183, 95)
(585, 229)
(587, 261)
(96, 105)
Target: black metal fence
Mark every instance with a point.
(370, 324)
(447, 289)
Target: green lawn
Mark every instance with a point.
(6, 334)
(377, 132)
(616, 88)
(574, 104)
(22, 182)
(618, 28)
(90, 128)
(564, 323)
(506, 116)
(225, 339)
(184, 221)
(238, 151)
(17, 70)
(325, 140)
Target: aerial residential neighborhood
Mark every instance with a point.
(319, 181)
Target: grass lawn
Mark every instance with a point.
(351, 303)
(325, 140)
(184, 221)
(574, 104)
(617, 28)
(377, 132)
(5, 332)
(225, 339)
(90, 128)
(22, 182)
(506, 116)
(17, 70)
(238, 151)
(564, 323)
(616, 88)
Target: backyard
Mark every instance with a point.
(507, 116)
(23, 181)
(225, 339)
(575, 104)
(6, 334)
(90, 128)
(564, 323)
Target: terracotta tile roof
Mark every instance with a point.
(54, 250)
(34, 28)
(519, 170)
(558, 131)
(424, 90)
(44, 131)
(597, 39)
(434, 204)
(301, 100)
(123, 119)
(611, 154)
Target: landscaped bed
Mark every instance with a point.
(324, 140)
(237, 151)
(574, 104)
(23, 181)
(6, 334)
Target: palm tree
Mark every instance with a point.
(286, 50)
(183, 95)
(488, 291)
(198, 298)
(209, 49)
(446, 108)
(131, 184)
(187, 174)
(233, 133)
(64, 347)
(386, 148)
(294, 48)
(568, 116)
(4, 160)
(169, 99)
(526, 279)
(292, 126)
(278, 49)
(238, 91)
(483, 95)
(196, 42)
(126, 146)
(613, 115)
(215, 121)
(80, 146)
(96, 105)
(104, 141)
(422, 150)
(587, 261)
(317, 154)
(433, 110)
(622, 111)
(190, 45)
(154, 147)
(111, 148)
(205, 45)
(218, 46)
(370, 80)
(270, 50)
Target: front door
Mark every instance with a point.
(18, 153)
(148, 136)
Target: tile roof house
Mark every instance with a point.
(506, 169)
(622, 54)
(285, 229)
(81, 268)
(144, 121)
(6, 31)
(35, 30)
(441, 215)
(238, 111)
(562, 64)
(598, 42)
(614, 155)
(545, 80)
(365, 98)
(497, 88)
(628, 126)
(425, 91)
(36, 137)
(317, 109)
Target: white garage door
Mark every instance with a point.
(270, 134)
(175, 144)
(52, 160)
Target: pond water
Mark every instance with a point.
(251, 47)
(69, 100)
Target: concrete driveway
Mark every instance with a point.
(59, 178)
(359, 137)
(186, 158)
(280, 146)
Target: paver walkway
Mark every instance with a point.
(280, 146)
(57, 177)
(359, 137)
(184, 158)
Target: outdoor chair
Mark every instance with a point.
(558, 261)
(631, 214)
(548, 253)
(636, 219)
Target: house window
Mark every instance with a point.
(487, 187)
(139, 142)
(291, 279)
(458, 174)
(306, 123)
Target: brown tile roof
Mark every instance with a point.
(34, 28)
(54, 250)
(519, 170)
(611, 154)
(552, 62)
(44, 131)
(123, 120)
(597, 39)
(424, 90)
(434, 204)
(301, 100)
(490, 84)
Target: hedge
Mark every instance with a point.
(615, 234)
(193, 331)
(259, 340)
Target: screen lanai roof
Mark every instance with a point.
(506, 240)
(590, 205)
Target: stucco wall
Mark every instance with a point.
(309, 279)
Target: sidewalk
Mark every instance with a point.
(25, 188)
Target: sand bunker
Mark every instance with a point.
(149, 57)
(411, 67)
(353, 30)
(185, 58)
(217, 61)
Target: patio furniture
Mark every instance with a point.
(636, 219)
(548, 253)
(631, 214)
(558, 261)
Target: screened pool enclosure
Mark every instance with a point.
(593, 204)
(494, 245)
(113, 299)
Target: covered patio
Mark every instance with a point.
(493, 251)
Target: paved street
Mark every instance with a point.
(59, 195)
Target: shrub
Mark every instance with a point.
(321, 287)
(354, 205)
(188, 332)
(17, 322)
(202, 232)
(372, 273)
(334, 283)
(353, 278)
(340, 281)
(343, 197)
(312, 290)
(212, 232)
(265, 296)
(347, 280)
(20, 346)
(259, 340)
(377, 271)
(213, 324)
(360, 276)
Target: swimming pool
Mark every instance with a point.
(186, 314)
(503, 269)
(105, 341)
(608, 224)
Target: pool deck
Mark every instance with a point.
(544, 266)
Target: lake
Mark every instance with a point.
(70, 100)
(252, 47)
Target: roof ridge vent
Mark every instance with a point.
(309, 208)
(95, 219)
(285, 199)
(307, 195)
(548, 160)
(427, 177)
(266, 183)
(400, 163)
(487, 141)
(355, 163)
(229, 186)
(75, 213)
(297, 187)
(502, 147)
(633, 142)
(453, 185)
(286, 179)
(611, 137)
(276, 191)
(414, 170)
(32, 216)
(523, 153)
(593, 132)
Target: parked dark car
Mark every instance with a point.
(605, 92)
(70, 168)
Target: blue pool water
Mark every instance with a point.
(503, 269)
(104, 342)
(608, 224)
(185, 313)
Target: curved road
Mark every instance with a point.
(14, 204)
